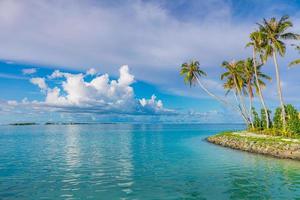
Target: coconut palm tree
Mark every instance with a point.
(254, 80)
(235, 80)
(192, 73)
(275, 32)
(258, 41)
(249, 81)
(230, 86)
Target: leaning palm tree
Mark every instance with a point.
(258, 42)
(192, 73)
(234, 77)
(275, 32)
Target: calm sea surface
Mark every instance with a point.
(124, 161)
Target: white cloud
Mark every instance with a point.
(99, 95)
(91, 71)
(40, 82)
(142, 34)
(29, 71)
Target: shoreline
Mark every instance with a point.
(275, 146)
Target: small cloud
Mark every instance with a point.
(91, 72)
(56, 74)
(12, 102)
(29, 71)
(9, 62)
(40, 82)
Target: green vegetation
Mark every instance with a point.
(277, 146)
(245, 79)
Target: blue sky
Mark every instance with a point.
(152, 37)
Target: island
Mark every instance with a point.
(274, 133)
(276, 146)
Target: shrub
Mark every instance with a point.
(293, 122)
(277, 120)
(256, 120)
(264, 119)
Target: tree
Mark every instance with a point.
(192, 73)
(275, 32)
(258, 42)
(235, 81)
(249, 81)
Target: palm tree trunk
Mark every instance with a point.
(218, 98)
(259, 90)
(279, 90)
(240, 109)
(243, 109)
(211, 94)
(250, 114)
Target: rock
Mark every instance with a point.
(279, 149)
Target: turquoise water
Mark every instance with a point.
(112, 161)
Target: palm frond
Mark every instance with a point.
(295, 62)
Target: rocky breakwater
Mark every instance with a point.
(256, 143)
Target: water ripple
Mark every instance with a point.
(136, 162)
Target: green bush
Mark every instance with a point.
(256, 119)
(264, 119)
(277, 120)
(276, 126)
(293, 122)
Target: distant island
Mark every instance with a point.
(23, 124)
(57, 123)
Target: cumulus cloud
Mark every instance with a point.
(99, 95)
(29, 71)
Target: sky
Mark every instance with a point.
(119, 61)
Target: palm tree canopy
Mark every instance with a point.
(233, 76)
(250, 78)
(295, 62)
(275, 32)
(257, 40)
(191, 71)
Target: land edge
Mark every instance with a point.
(275, 146)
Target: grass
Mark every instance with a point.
(268, 140)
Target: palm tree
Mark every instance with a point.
(275, 32)
(235, 80)
(258, 41)
(254, 80)
(297, 61)
(249, 81)
(192, 73)
(230, 86)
